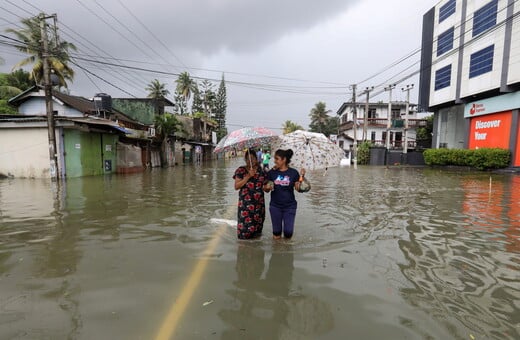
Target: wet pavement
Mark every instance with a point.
(398, 253)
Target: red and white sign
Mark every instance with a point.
(477, 108)
(490, 131)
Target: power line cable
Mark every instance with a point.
(415, 51)
(152, 34)
(130, 79)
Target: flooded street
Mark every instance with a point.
(397, 253)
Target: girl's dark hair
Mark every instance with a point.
(287, 154)
(249, 152)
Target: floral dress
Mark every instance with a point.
(251, 204)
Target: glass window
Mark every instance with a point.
(485, 18)
(443, 77)
(446, 10)
(445, 42)
(372, 113)
(373, 136)
(481, 62)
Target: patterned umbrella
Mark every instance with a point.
(311, 150)
(249, 137)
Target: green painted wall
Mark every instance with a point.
(86, 153)
(140, 110)
(109, 153)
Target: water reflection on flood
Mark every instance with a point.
(394, 253)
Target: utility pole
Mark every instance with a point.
(365, 118)
(407, 89)
(354, 113)
(47, 85)
(389, 88)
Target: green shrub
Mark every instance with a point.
(363, 153)
(482, 159)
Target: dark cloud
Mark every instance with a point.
(203, 26)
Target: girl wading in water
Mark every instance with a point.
(249, 181)
(283, 203)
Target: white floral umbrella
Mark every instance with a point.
(311, 150)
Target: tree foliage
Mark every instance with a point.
(30, 35)
(319, 116)
(12, 84)
(208, 97)
(321, 121)
(425, 133)
(290, 126)
(185, 87)
(221, 109)
(197, 105)
(157, 90)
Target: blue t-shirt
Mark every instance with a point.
(283, 194)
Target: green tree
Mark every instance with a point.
(185, 86)
(165, 126)
(331, 126)
(197, 105)
(59, 57)
(157, 92)
(12, 84)
(290, 126)
(20, 79)
(221, 109)
(319, 116)
(425, 133)
(180, 104)
(208, 97)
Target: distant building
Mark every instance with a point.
(376, 121)
(91, 138)
(470, 74)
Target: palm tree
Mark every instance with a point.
(319, 117)
(289, 127)
(157, 91)
(165, 126)
(185, 86)
(59, 52)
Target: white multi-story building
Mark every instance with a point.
(373, 126)
(470, 73)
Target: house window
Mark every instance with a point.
(445, 42)
(396, 113)
(485, 18)
(372, 113)
(373, 136)
(481, 62)
(383, 137)
(446, 10)
(443, 77)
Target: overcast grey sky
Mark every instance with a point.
(279, 57)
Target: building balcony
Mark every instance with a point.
(413, 123)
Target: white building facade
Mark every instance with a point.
(470, 73)
(377, 123)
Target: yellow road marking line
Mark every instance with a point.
(179, 306)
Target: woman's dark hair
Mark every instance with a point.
(287, 154)
(249, 152)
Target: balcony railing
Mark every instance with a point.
(381, 122)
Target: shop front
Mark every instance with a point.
(494, 123)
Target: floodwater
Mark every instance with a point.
(399, 253)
